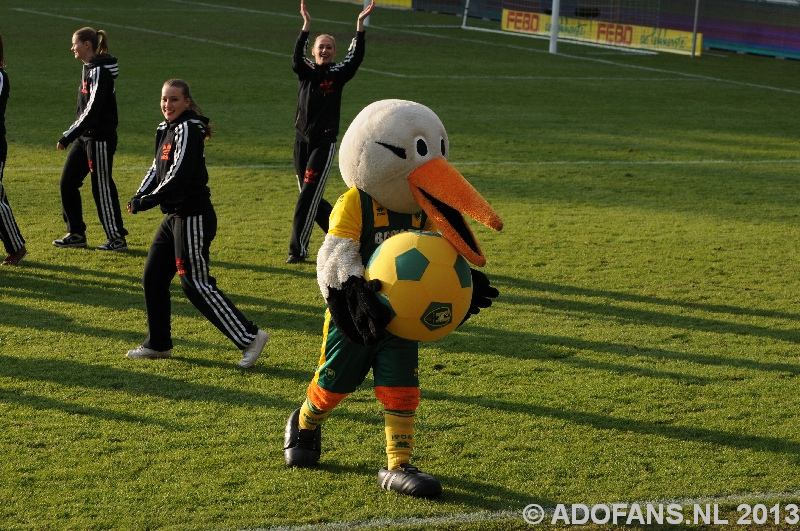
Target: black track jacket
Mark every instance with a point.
(178, 179)
(319, 96)
(97, 102)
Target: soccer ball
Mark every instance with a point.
(425, 282)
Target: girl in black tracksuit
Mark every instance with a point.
(94, 141)
(319, 99)
(9, 231)
(178, 182)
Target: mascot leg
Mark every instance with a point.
(399, 404)
(302, 441)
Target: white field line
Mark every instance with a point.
(467, 163)
(154, 32)
(271, 13)
(486, 516)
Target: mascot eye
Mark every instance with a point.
(443, 153)
(400, 152)
(422, 147)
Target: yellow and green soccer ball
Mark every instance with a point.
(425, 282)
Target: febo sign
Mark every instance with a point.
(614, 33)
(521, 21)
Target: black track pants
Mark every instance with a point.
(312, 163)
(93, 157)
(9, 231)
(181, 246)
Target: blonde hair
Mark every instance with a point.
(325, 36)
(99, 39)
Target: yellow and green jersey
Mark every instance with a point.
(359, 217)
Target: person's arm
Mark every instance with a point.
(363, 15)
(102, 85)
(306, 16)
(300, 63)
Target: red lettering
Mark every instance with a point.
(628, 35)
(522, 21)
(602, 29)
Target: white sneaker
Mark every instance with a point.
(253, 350)
(143, 352)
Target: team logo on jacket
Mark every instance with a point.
(85, 87)
(326, 87)
(91, 166)
(311, 176)
(180, 264)
(165, 151)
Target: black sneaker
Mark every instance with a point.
(301, 448)
(295, 259)
(411, 481)
(115, 244)
(71, 239)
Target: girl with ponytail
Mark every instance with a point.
(93, 136)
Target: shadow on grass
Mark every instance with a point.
(642, 316)
(263, 367)
(71, 373)
(306, 270)
(107, 289)
(485, 495)
(624, 425)
(537, 348)
(41, 403)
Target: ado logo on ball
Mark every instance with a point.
(425, 282)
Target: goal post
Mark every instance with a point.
(633, 25)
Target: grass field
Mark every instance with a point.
(644, 345)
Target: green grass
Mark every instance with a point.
(644, 346)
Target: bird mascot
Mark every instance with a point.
(394, 159)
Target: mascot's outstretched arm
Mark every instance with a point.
(354, 307)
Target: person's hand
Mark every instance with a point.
(363, 15)
(306, 16)
(60, 147)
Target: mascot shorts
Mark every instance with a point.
(343, 365)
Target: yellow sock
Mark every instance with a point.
(311, 416)
(399, 437)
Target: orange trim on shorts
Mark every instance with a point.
(323, 399)
(398, 398)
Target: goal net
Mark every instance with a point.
(630, 24)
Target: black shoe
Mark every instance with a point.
(295, 259)
(71, 239)
(411, 481)
(301, 448)
(114, 244)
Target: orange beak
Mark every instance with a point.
(444, 194)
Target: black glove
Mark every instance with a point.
(482, 294)
(134, 205)
(357, 312)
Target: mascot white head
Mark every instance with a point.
(396, 151)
